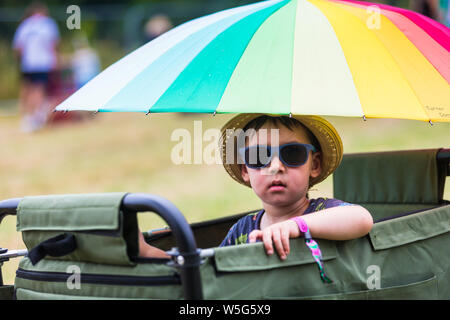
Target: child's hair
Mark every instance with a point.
(289, 123)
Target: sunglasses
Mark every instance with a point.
(290, 154)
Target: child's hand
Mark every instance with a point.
(148, 251)
(277, 235)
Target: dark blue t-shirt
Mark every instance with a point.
(240, 231)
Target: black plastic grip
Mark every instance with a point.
(8, 207)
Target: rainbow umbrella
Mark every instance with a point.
(313, 57)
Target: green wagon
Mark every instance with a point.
(86, 246)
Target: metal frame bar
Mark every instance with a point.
(190, 262)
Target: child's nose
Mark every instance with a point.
(275, 165)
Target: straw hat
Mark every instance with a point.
(327, 136)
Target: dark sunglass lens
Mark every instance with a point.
(294, 155)
(257, 156)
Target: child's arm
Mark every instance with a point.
(148, 251)
(337, 223)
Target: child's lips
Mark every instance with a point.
(277, 186)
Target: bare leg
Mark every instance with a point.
(34, 106)
(23, 96)
(24, 105)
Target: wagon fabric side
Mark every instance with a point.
(402, 258)
(102, 266)
(405, 257)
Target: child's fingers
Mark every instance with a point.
(285, 240)
(276, 236)
(254, 235)
(274, 239)
(267, 239)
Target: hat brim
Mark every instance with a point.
(327, 136)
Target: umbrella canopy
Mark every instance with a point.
(313, 57)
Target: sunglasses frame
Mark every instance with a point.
(277, 150)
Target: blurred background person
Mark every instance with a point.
(85, 63)
(445, 5)
(35, 45)
(429, 8)
(156, 26)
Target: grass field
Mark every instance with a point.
(132, 152)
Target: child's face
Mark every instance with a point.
(294, 181)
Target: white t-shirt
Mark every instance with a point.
(85, 66)
(36, 38)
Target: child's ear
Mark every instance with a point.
(316, 167)
(244, 173)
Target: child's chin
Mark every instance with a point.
(279, 200)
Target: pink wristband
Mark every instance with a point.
(313, 247)
(302, 226)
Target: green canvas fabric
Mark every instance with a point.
(69, 212)
(411, 253)
(39, 290)
(388, 177)
(418, 269)
(410, 228)
(410, 178)
(422, 290)
(414, 265)
(242, 258)
(381, 211)
(24, 294)
(6, 292)
(103, 234)
(60, 290)
(139, 269)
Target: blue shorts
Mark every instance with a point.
(36, 77)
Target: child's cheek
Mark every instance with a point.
(258, 182)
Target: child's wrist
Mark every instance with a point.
(302, 226)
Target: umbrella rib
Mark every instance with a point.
(293, 56)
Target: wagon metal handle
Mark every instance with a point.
(8, 207)
(184, 237)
